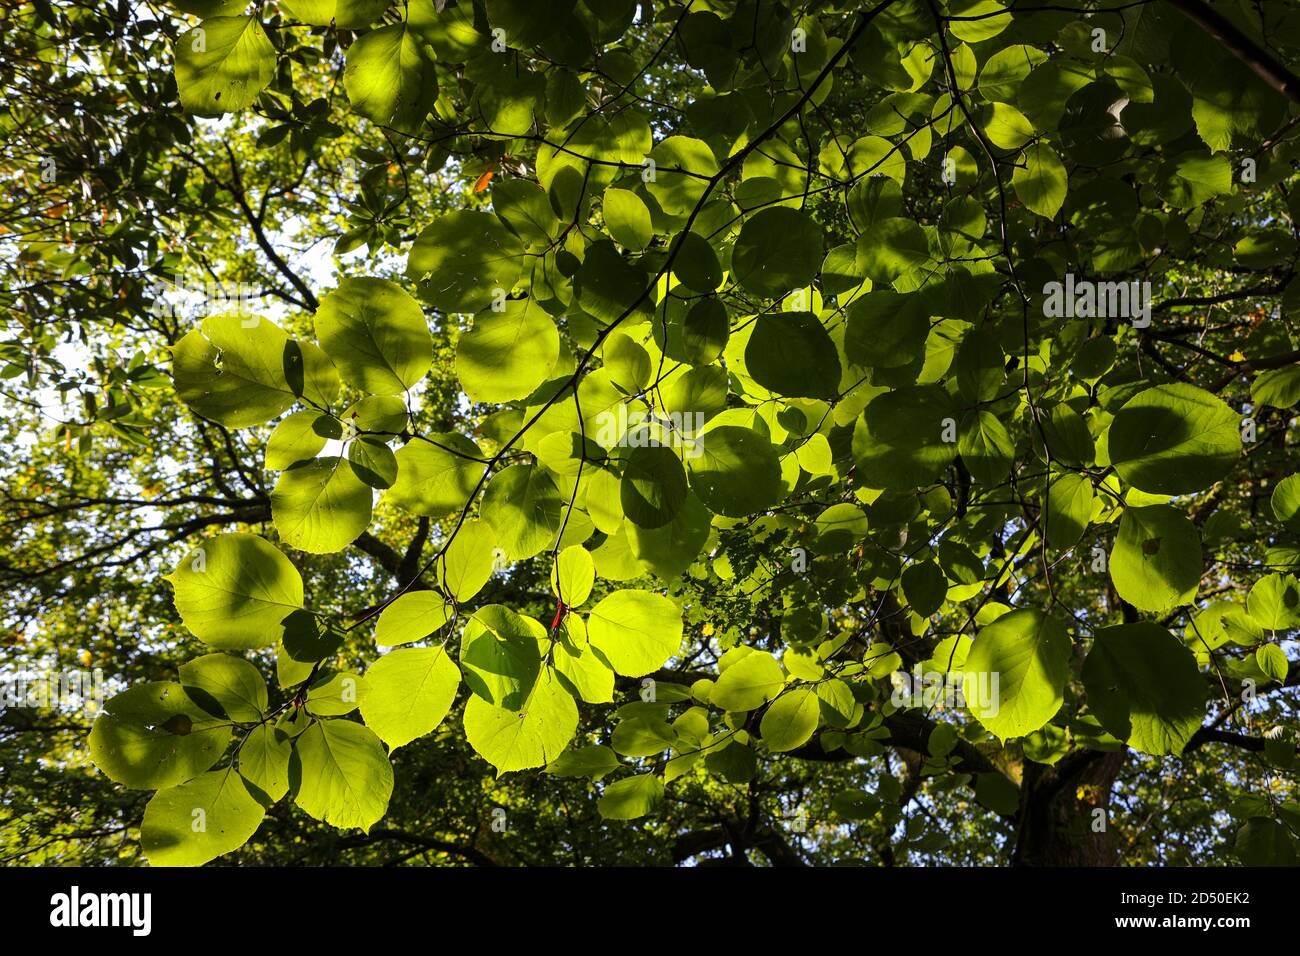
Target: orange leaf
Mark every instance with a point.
(483, 181)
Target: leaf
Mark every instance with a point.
(388, 78)
(1029, 652)
(436, 474)
(1156, 563)
(412, 617)
(736, 473)
(499, 654)
(153, 736)
(891, 248)
(748, 683)
(778, 250)
(299, 437)
(791, 720)
(635, 631)
(653, 487)
(222, 65)
(408, 693)
(1041, 183)
(1279, 387)
(199, 820)
(1069, 500)
(340, 774)
(1174, 439)
(631, 798)
(886, 329)
(791, 354)
(532, 736)
(506, 355)
(573, 575)
(264, 762)
(236, 591)
(233, 685)
(241, 375)
(1144, 687)
(469, 560)
(925, 587)
(525, 509)
(471, 258)
(899, 442)
(321, 506)
(376, 334)
(627, 219)
(1274, 602)
(594, 761)
(347, 14)
(1285, 502)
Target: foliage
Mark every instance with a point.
(682, 381)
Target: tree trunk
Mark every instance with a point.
(1059, 825)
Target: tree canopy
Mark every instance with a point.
(603, 432)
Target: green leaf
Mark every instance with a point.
(1069, 500)
(573, 575)
(1174, 439)
(299, 437)
(635, 631)
(471, 259)
(643, 736)
(241, 375)
(1156, 563)
(506, 355)
(436, 474)
(376, 334)
(199, 820)
(1144, 687)
(778, 250)
(347, 14)
(985, 446)
(1264, 842)
(408, 693)
(222, 64)
(736, 473)
(389, 79)
(627, 219)
(499, 654)
(321, 506)
(1274, 602)
(683, 167)
(924, 586)
(412, 617)
(891, 248)
(236, 591)
(1029, 652)
(791, 720)
(264, 761)
(532, 736)
(340, 774)
(653, 487)
(886, 329)
(1286, 502)
(525, 509)
(153, 736)
(792, 354)
(1042, 181)
(1279, 387)
(899, 442)
(594, 761)
(233, 685)
(631, 798)
(469, 560)
(748, 683)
